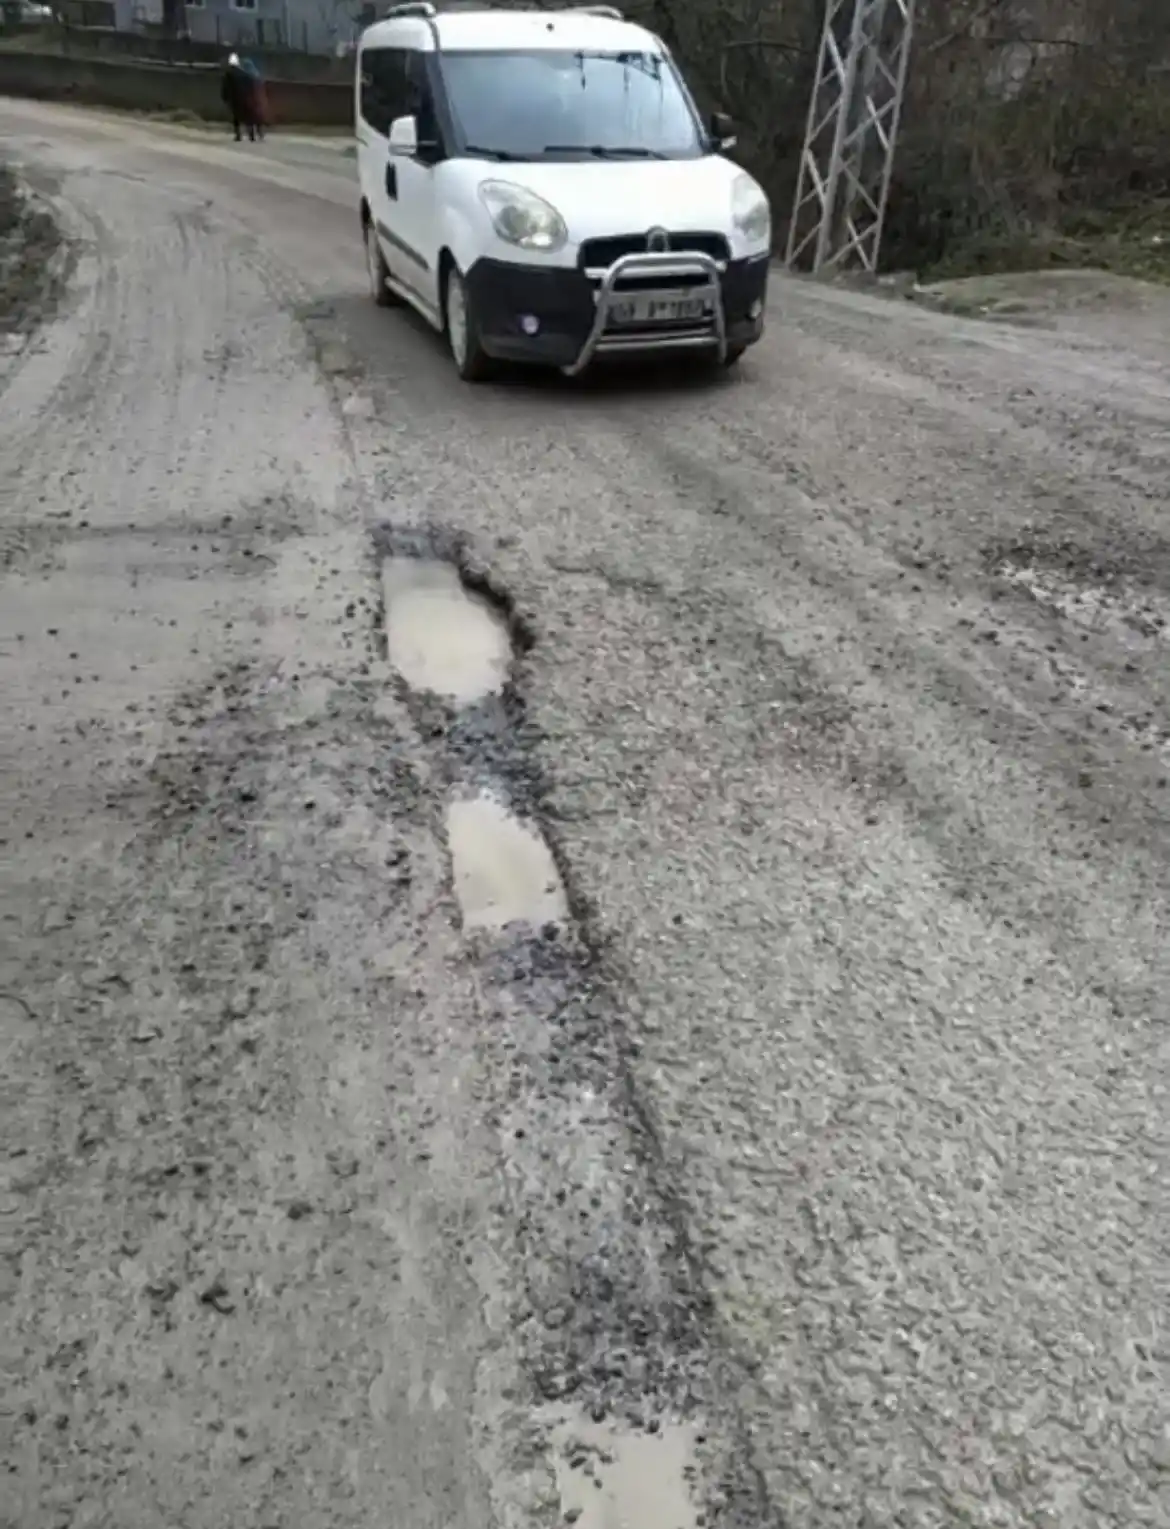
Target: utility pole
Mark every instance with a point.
(850, 140)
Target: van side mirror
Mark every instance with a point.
(405, 142)
(403, 138)
(722, 130)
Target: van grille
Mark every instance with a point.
(644, 283)
(603, 252)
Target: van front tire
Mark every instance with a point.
(461, 326)
(712, 365)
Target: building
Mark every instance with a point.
(307, 26)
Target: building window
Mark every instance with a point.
(243, 5)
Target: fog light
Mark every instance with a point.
(756, 309)
(529, 323)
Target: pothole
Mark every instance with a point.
(611, 1478)
(440, 636)
(1095, 606)
(503, 870)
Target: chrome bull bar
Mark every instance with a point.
(667, 264)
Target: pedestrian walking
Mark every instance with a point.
(238, 97)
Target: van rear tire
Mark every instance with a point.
(379, 271)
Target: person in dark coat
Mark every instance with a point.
(239, 97)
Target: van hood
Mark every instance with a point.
(597, 197)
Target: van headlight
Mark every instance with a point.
(750, 211)
(522, 218)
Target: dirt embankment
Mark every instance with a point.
(31, 248)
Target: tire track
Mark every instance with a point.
(245, 1174)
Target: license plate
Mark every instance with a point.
(656, 308)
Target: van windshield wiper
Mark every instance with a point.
(602, 151)
(501, 154)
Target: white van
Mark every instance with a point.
(541, 187)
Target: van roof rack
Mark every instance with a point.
(428, 12)
(425, 11)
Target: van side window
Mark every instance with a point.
(384, 94)
(420, 101)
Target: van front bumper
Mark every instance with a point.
(561, 316)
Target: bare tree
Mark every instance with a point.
(1020, 114)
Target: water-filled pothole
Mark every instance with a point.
(503, 870)
(440, 636)
(612, 1478)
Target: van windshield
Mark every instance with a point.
(553, 105)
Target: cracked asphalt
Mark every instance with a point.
(834, 1131)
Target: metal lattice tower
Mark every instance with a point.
(851, 136)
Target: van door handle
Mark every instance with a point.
(392, 182)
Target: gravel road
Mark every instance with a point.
(814, 1174)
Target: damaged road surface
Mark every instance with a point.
(245, 1186)
(325, 1204)
(580, 954)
